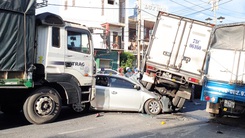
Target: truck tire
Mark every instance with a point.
(43, 106)
(80, 108)
(26, 114)
(152, 107)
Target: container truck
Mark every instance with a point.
(175, 57)
(45, 63)
(223, 87)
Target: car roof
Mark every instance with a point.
(106, 69)
(124, 77)
(115, 76)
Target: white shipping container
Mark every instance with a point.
(178, 46)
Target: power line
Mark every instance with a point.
(199, 11)
(198, 6)
(149, 13)
(186, 7)
(201, 6)
(84, 7)
(207, 8)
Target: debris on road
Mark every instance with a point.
(98, 115)
(219, 132)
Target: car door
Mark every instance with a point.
(101, 100)
(123, 95)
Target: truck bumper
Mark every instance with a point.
(147, 78)
(93, 93)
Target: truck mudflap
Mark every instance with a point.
(212, 108)
(180, 97)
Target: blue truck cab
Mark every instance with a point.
(224, 75)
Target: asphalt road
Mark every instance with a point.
(192, 121)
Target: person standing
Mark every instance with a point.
(128, 72)
(121, 71)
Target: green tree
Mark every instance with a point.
(127, 59)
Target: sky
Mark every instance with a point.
(232, 10)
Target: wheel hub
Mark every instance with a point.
(154, 107)
(44, 105)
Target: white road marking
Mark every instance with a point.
(74, 131)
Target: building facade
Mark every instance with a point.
(108, 15)
(112, 22)
(149, 11)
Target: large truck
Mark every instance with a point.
(175, 57)
(224, 77)
(45, 63)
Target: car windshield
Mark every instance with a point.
(134, 79)
(107, 71)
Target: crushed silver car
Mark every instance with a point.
(119, 93)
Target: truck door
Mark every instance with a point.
(50, 51)
(79, 57)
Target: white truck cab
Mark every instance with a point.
(69, 50)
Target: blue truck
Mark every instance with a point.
(224, 76)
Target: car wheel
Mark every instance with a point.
(152, 107)
(43, 106)
(80, 108)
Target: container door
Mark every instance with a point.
(191, 55)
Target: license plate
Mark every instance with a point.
(229, 103)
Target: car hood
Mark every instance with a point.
(134, 79)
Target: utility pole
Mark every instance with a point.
(138, 33)
(215, 6)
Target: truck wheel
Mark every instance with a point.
(26, 114)
(80, 108)
(44, 105)
(152, 107)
